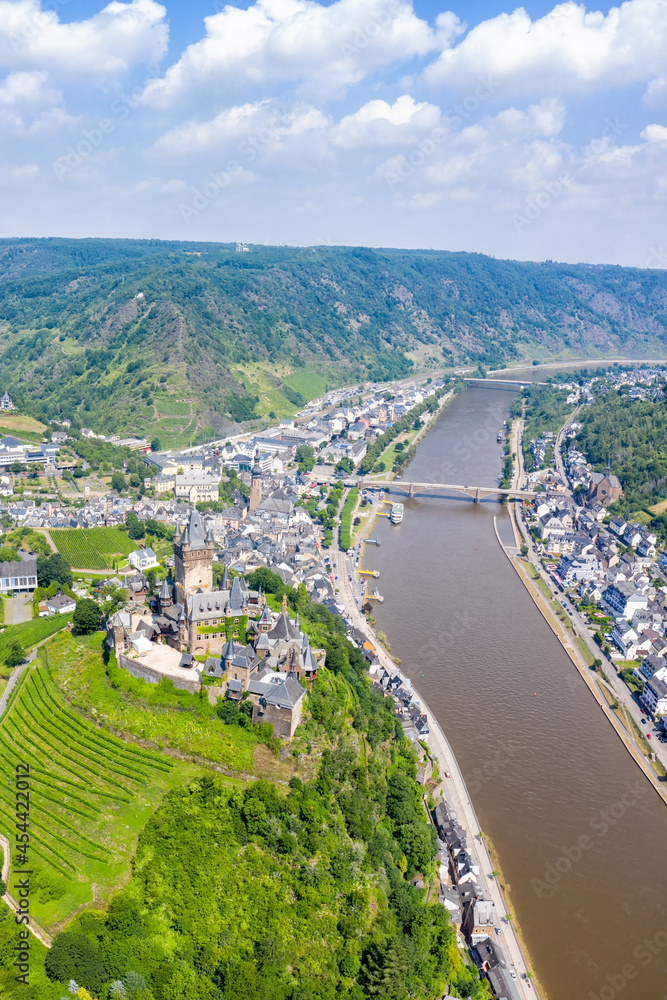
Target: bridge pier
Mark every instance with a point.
(476, 497)
(411, 491)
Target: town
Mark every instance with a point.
(608, 569)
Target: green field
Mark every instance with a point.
(309, 383)
(172, 407)
(92, 548)
(90, 796)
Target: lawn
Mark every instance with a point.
(92, 548)
(90, 796)
(585, 650)
(534, 575)
(77, 668)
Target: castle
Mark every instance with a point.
(232, 630)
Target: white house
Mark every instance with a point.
(142, 559)
(625, 638)
(654, 696)
(60, 604)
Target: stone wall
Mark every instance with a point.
(138, 669)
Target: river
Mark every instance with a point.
(580, 833)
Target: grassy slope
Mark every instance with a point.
(77, 668)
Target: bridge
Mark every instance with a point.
(476, 493)
(500, 383)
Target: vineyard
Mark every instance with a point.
(90, 795)
(28, 634)
(92, 548)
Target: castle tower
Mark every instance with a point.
(193, 559)
(255, 486)
(164, 595)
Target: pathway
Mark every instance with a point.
(11, 684)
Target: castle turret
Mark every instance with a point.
(165, 596)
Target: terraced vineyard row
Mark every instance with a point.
(92, 548)
(28, 634)
(83, 782)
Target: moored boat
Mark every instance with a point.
(396, 515)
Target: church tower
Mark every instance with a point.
(255, 486)
(193, 559)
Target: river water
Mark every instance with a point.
(579, 831)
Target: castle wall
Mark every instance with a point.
(138, 669)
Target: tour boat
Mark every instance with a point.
(396, 515)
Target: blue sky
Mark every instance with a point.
(534, 133)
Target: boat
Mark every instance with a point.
(369, 572)
(500, 437)
(376, 596)
(396, 514)
(372, 541)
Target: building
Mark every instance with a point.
(193, 559)
(20, 575)
(143, 559)
(624, 600)
(196, 487)
(6, 402)
(255, 487)
(479, 919)
(654, 696)
(604, 487)
(60, 604)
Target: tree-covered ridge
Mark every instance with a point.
(276, 892)
(632, 435)
(119, 333)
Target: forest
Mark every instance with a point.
(632, 435)
(129, 336)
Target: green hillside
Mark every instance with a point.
(181, 339)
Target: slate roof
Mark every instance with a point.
(284, 630)
(194, 534)
(288, 694)
(207, 605)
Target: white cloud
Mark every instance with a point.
(329, 48)
(119, 37)
(260, 124)
(567, 49)
(27, 89)
(655, 134)
(378, 123)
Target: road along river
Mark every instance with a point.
(581, 835)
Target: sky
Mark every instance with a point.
(533, 133)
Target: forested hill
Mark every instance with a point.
(123, 334)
